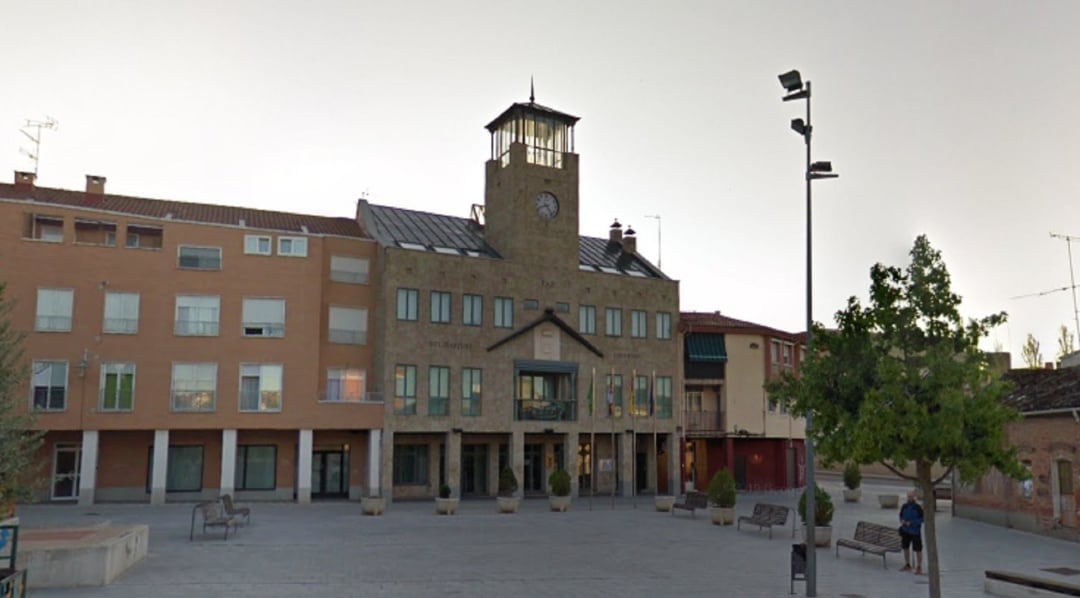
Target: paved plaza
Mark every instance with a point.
(329, 549)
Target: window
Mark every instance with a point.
(200, 258)
(530, 304)
(121, 313)
(663, 397)
(562, 308)
(411, 464)
(143, 237)
(260, 387)
(438, 390)
(54, 310)
(353, 270)
(256, 467)
(613, 393)
(93, 232)
(472, 310)
(504, 312)
(405, 389)
(257, 245)
(348, 325)
(49, 380)
(694, 399)
(440, 307)
(639, 324)
(663, 325)
(292, 246)
(194, 386)
(587, 319)
(640, 405)
(789, 350)
(613, 321)
(408, 304)
(345, 384)
(185, 470)
(471, 386)
(117, 386)
(264, 317)
(45, 228)
(197, 315)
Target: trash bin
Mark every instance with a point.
(798, 564)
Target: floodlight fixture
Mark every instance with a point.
(799, 126)
(791, 80)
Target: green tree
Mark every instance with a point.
(1065, 342)
(902, 381)
(18, 441)
(1030, 353)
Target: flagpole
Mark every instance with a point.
(655, 446)
(592, 438)
(633, 437)
(611, 416)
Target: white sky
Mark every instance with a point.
(949, 118)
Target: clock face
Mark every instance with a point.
(547, 206)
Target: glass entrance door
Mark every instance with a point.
(329, 476)
(474, 470)
(65, 481)
(534, 468)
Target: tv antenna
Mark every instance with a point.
(1072, 277)
(36, 126)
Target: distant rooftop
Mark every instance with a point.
(715, 322)
(1043, 390)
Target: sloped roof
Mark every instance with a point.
(715, 322)
(531, 107)
(548, 316)
(603, 253)
(1042, 390)
(184, 211)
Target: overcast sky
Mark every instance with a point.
(952, 119)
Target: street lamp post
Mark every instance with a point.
(797, 90)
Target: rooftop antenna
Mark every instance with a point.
(532, 91)
(37, 126)
(1072, 277)
(658, 239)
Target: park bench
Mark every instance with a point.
(211, 517)
(234, 511)
(873, 538)
(766, 515)
(693, 501)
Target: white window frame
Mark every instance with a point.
(38, 368)
(441, 305)
(639, 323)
(253, 244)
(265, 372)
(351, 325)
(472, 310)
(207, 327)
(350, 269)
(587, 319)
(263, 317)
(54, 311)
(613, 321)
(298, 246)
(338, 383)
(210, 370)
(118, 369)
(208, 268)
(123, 305)
(663, 325)
(408, 305)
(504, 312)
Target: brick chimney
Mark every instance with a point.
(629, 241)
(24, 180)
(615, 235)
(95, 185)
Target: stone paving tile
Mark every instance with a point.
(329, 549)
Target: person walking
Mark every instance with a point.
(911, 520)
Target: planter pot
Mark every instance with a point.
(372, 505)
(852, 495)
(559, 503)
(446, 506)
(664, 503)
(507, 504)
(723, 515)
(822, 535)
(888, 501)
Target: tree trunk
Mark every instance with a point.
(926, 484)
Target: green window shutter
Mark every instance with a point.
(127, 391)
(109, 401)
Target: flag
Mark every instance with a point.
(611, 395)
(652, 395)
(591, 385)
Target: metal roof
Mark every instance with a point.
(601, 253)
(534, 108)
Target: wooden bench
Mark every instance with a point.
(693, 501)
(211, 517)
(873, 538)
(766, 515)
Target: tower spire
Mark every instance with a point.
(532, 91)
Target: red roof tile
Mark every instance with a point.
(715, 322)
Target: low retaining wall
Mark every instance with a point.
(70, 557)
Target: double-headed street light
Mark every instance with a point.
(797, 90)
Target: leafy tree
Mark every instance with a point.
(1065, 342)
(1030, 353)
(902, 381)
(18, 441)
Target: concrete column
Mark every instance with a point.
(626, 464)
(674, 453)
(228, 462)
(517, 459)
(572, 461)
(493, 468)
(88, 467)
(303, 467)
(386, 472)
(374, 460)
(453, 463)
(161, 467)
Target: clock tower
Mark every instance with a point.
(531, 186)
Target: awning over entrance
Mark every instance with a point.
(706, 347)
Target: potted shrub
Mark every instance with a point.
(823, 514)
(507, 502)
(372, 505)
(444, 504)
(664, 502)
(559, 480)
(722, 498)
(888, 501)
(852, 481)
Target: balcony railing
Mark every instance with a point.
(350, 397)
(705, 421)
(545, 410)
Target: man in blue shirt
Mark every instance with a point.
(911, 520)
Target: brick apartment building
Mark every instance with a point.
(182, 350)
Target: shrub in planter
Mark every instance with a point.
(507, 483)
(722, 490)
(560, 482)
(444, 491)
(852, 476)
(823, 507)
